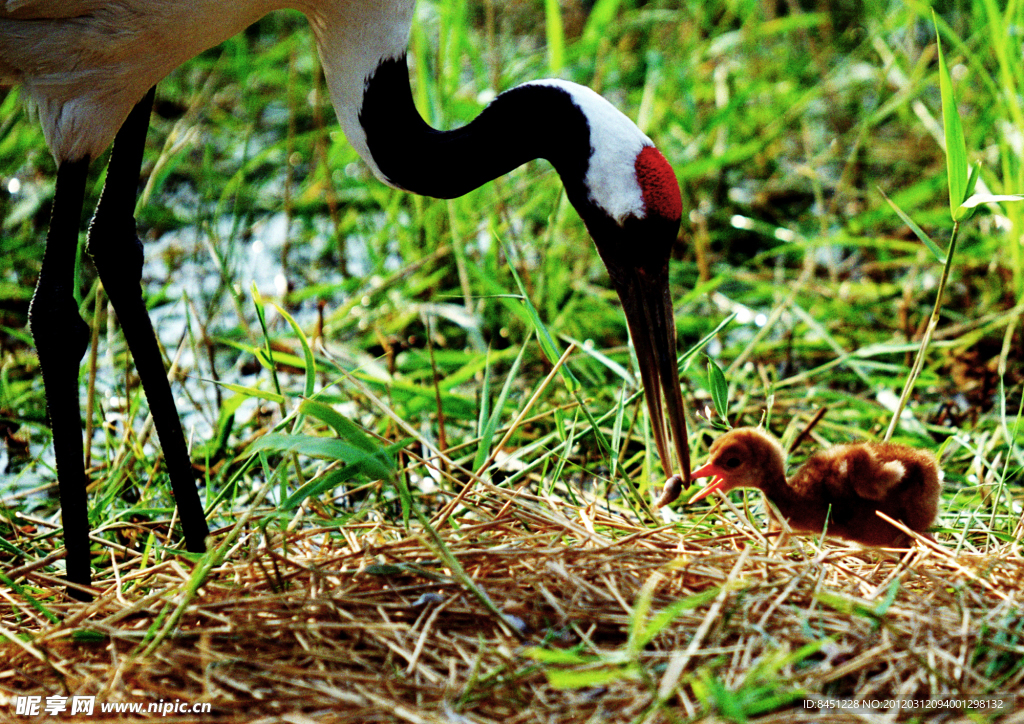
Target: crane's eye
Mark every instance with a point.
(733, 463)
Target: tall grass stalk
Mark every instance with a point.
(933, 322)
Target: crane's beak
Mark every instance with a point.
(647, 304)
(708, 471)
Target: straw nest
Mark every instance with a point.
(597, 618)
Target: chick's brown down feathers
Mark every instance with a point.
(843, 484)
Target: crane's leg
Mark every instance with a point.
(117, 252)
(61, 339)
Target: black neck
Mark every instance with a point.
(527, 122)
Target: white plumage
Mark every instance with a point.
(84, 63)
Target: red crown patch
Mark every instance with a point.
(658, 184)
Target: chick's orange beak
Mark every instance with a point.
(708, 471)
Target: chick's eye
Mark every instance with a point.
(733, 463)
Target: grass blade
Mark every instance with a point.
(488, 433)
(956, 146)
(555, 33)
(918, 231)
(307, 353)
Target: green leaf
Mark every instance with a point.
(956, 147)
(890, 596)
(547, 343)
(359, 451)
(719, 390)
(555, 656)
(972, 180)
(686, 356)
(602, 359)
(327, 448)
(319, 485)
(249, 391)
(346, 429)
(661, 620)
(601, 14)
(490, 429)
(266, 356)
(918, 231)
(35, 603)
(978, 199)
(307, 353)
(589, 678)
(86, 635)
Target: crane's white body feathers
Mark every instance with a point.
(45, 9)
(353, 38)
(84, 63)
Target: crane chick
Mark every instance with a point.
(843, 485)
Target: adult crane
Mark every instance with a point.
(85, 65)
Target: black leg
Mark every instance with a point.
(117, 252)
(61, 339)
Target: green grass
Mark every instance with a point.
(783, 131)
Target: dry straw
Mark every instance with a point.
(621, 623)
